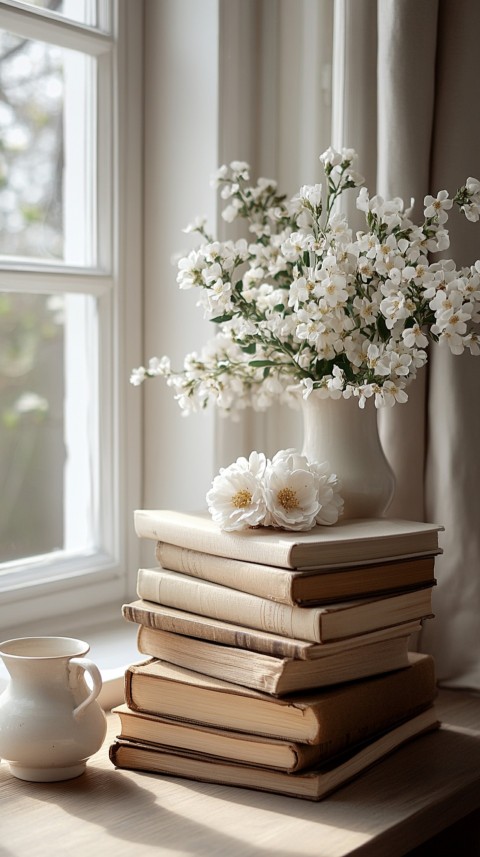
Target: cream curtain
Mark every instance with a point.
(427, 139)
(404, 96)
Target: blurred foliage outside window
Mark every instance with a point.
(32, 341)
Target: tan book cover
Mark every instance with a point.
(317, 624)
(275, 675)
(319, 716)
(313, 784)
(293, 586)
(349, 541)
(230, 634)
(390, 702)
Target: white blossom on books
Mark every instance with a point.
(307, 305)
(286, 492)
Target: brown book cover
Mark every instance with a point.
(312, 784)
(328, 717)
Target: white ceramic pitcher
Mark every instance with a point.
(50, 720)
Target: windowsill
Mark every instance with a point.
(113, 646)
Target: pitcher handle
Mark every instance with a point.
(94, 672)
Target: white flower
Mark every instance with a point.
(312, 194)
(438, 205)
(307, 304)
(355, 179)
(471, 211)
(473, 187)
(138, 376)
(240, 169)
(307, 383)
(389, 394)
(331, 157)
(236, 499)
(158, 366)
(286, 492)
(197, 225)
(291, 492)
(330, 500)
(230, 213)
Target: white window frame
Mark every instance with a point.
(56, 586)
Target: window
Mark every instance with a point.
(64, 421)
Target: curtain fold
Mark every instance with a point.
(406, 57)
(404, 96)
(428, 138)
(452, 465)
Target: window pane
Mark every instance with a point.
(82, 11)
(46, 152)
(48, 436)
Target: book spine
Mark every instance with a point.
(128, 691)
(256, 579)
(215, 631)
(220, 602)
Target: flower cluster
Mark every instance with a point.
(307, 305)
(286, 491)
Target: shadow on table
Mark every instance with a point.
(126, 811)
(116, 801)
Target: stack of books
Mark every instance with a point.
(277, 660)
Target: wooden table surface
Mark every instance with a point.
(396, 805)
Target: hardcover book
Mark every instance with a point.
(300, 586)
(349, 541)
(312, 784)
(380, 704)
(331, 621)
(189, 624)
(276, 675)
(321, 716)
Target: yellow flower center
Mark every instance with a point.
(287, 498)
(241, 499)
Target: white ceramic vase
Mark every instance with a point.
(346, 436)
(50, 720)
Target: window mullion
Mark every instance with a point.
(55, 282)
(31, 23)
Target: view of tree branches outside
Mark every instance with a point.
(33, 189)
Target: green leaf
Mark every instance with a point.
(221, 318)
(249, 349)
(382, 328)
(260, 363)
